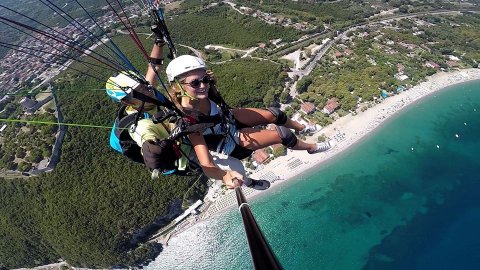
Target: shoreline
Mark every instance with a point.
(347, 131)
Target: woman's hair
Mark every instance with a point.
(174, 92)
(213, 93)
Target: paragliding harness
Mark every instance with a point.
(168, 148)
(228, 126)
(120, 140)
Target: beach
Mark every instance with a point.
(346, 131)
(349, 129)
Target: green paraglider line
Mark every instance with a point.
(24, 93)
(53, 123)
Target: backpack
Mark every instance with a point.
(120, 140)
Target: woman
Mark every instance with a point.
(146, 142)
(195, 90)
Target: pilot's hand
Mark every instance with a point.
(233, 179)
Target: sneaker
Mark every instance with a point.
(309, 129)
(322, 147)
(259, 184)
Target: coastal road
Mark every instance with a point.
(195, 51)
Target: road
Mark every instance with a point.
(195, 51)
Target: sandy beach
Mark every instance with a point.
(346, 131)
(350, 129)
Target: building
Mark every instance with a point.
(27, 103)
(331, 106)
(307, 107)
(260, 156)
(432, 64)
(452, 64)
(401, 77)
(400, 89)
(384, 94)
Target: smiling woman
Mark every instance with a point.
(237, 135)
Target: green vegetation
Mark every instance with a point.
(279, 151)
(318, 12)
(221, 25)
(249, 83)
(22, 244)
(23, 147)
(363, 70)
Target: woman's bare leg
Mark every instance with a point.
(253, 139)
(254, 117)
(294, 125)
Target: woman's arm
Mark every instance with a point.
(156, 53)
(208, 166)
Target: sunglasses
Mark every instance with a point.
(198, 82)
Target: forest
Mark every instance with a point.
(223, 26)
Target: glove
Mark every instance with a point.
(212, 76)
(159, 38)
(161, 155)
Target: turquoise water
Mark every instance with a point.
(404, 198)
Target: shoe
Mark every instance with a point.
(322, 147)
(309, 129)
(259, 184)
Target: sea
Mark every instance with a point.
(406, 197)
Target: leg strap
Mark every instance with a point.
(281, 117)
(288, 138)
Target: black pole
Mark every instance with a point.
(262, 255)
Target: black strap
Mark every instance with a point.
(160, 42)
(156, 61)
(139, 113)
(123, 120)
(163, 115)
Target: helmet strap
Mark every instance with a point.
(183, 93)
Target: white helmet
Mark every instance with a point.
(120, 86)
(183, 64)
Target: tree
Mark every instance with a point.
(303, 83)
(308, 52)
(284, 97)
(21, 153)
(403, 9)
(269, 99)
(279, 151)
